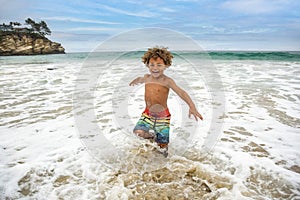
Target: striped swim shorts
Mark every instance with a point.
(159, 122)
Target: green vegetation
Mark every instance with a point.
(40, 28)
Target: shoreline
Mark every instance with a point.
(26, 55)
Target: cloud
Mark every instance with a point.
(78, 42)
(95, 29)
(72, 19)
(187, 0)
(145, 14)
(14, 10)
(255, 6)
(165, 9)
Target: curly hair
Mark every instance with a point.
(158, 52)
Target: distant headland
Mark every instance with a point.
(27, 39)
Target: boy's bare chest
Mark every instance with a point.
(156, 88)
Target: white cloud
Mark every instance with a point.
(156, 6)
(14, 10)
(95, 29)
(187, 0)
(255, 6)
(72, 19)
(145, 14)
(165, 9)
(256, 31)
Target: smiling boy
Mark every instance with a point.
(156, 116)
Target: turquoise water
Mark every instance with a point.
(236, 55)
(280, 56)
(214, 55)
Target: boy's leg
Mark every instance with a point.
(162, 136)
(162, 129)
(143, 126)
(164, 148)
(162, 145)
(143, 134)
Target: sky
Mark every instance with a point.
(80, 26)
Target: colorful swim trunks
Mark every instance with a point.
(159, 122)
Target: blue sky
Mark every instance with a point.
(216, 25)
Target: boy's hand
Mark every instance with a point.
(132, 83)
(193, 111)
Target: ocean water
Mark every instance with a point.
(48, 151)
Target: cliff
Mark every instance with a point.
(18, 43)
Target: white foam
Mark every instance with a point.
(42, 154)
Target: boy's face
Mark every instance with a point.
(156, 67)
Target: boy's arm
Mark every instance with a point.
(183, 95)
(137, 81)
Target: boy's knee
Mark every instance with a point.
(139, 132)
(143, 134)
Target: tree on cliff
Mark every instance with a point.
(15, 24)
(45, 28)
(30, 22)
(41, 28)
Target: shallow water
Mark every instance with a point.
(45, 156)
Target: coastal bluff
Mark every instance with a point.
(20, 43)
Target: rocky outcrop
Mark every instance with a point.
(27, 44)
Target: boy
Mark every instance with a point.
(156, 115)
